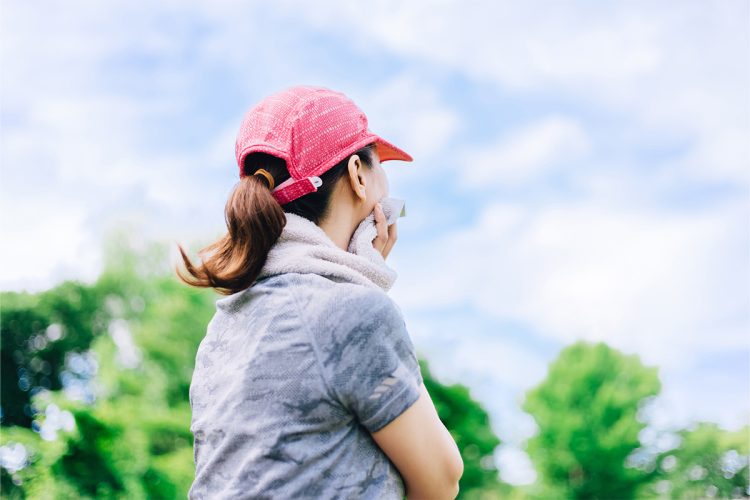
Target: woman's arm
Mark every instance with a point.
(423, 451)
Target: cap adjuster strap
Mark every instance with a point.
(292, 189)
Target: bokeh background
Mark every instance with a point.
(578, 222)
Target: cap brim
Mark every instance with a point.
(387, 151)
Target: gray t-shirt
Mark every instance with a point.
(292, 374)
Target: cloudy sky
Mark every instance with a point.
(582, 169)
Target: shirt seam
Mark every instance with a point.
(316, 353)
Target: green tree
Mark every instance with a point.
(586, 413)
(709, 463)
(37, 332)
(134, 440)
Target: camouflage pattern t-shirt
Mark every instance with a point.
(292, 376)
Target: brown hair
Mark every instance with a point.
(254, 223)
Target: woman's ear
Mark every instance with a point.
(356, 180)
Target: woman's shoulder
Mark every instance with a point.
(321, 289)
(318, 297)
(319, 285)
(312, 294)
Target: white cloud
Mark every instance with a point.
(669, 71)
(477, 349)
(722, 153)
(48, 240)
(73, 170)
(691, 395)
(76, 125)
(514, 465)
(526, 154)
(667, 285)
(509, 42)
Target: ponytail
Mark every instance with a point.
(254, 221)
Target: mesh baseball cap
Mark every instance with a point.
(312, 129)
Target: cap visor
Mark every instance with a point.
(387, 151)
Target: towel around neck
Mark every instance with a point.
(304, 247)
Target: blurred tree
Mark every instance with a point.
(469, 424)
(133, 440)
(709, 463)
(139, 327)
(37, 332)
(586, 413)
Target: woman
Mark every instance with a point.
(306, 384)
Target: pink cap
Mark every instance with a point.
(312, 129)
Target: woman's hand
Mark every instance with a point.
(387, 235)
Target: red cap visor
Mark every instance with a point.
(387, 151)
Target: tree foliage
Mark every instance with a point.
(133, 441)
(38, 331)
(708, 463)
(586, 413)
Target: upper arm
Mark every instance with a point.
(367, 358)
(422, 450)
(370, 365)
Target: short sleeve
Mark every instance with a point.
(368, 358)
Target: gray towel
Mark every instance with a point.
(361, 242)
(304, 247)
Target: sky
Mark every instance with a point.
(581, 169)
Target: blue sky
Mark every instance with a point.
(581, 169)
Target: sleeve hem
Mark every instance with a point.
(396, 405)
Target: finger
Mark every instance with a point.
(381, 239)
(393, 232)
(381, 226)
(392, 237)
